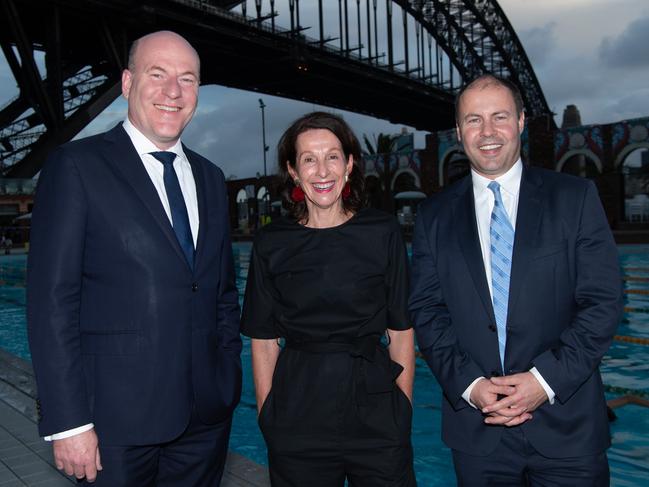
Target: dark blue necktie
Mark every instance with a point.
(179, 217)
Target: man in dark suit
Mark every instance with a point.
(516, 295)
(133, 311)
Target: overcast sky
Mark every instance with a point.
(591, 53)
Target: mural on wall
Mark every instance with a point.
(629, 133)
(584, 138)
(376, 164)
(446, 140)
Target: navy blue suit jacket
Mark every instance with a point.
(564, 307)
(122, 332)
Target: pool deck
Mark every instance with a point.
(26, 460)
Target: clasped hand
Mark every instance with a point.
(520, 395)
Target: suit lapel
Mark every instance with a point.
(121, 153)
(467, 234)
(199, 179)
(527, 225)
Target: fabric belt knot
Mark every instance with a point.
(364, 347)
(502, 246)
(179, 216)
(373, 371)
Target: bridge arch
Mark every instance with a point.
(415, 57)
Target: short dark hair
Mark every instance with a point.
(488, 79)
(287, 155)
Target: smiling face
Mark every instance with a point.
(161, 86)
(490, 128)
(321, 167)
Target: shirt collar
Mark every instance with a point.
(510, 182)
(145, 146)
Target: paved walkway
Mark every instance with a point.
(26, 460)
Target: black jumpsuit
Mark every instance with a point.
(334, 410)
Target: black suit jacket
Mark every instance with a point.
(122, 332)
(564, 307)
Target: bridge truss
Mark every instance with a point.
(401, 60)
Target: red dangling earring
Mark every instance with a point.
(297, 194)
(347, 190)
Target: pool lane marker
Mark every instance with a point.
(630, 339)
(626, 399)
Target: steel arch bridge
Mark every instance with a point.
(400, 60)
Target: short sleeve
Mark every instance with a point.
(397, 279)
(257, 318)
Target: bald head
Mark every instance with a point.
(165, 36)
(161, 86)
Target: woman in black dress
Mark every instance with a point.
(334, 402)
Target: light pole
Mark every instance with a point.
(263, 134)
(265, 147)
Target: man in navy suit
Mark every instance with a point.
(516, 295)
(133, 311)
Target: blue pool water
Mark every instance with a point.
(625, 369)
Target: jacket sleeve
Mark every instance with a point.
(54, 276)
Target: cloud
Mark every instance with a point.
(630, 49)
(539, 42)
(634, 104)
(227, 128)
(602, 94)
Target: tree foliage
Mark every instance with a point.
(380, 144)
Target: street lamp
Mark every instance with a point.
(265, 149)
(263, 134)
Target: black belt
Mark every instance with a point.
(373, 372)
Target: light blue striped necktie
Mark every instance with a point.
(502, 244)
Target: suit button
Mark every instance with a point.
(194, 287)
(492, 328)
(495, 373)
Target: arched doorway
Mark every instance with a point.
(405, 180)
(263, 205)
(580, 163)
(374, 191)
(456, 166)
(635, 171)
(242, 209)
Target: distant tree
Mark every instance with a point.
(381, 144)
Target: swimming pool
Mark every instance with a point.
(625, 370)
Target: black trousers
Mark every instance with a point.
(516, 463)
(194, 459)
(320, 429)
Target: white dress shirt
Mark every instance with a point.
(510, 184)
(155, 170)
